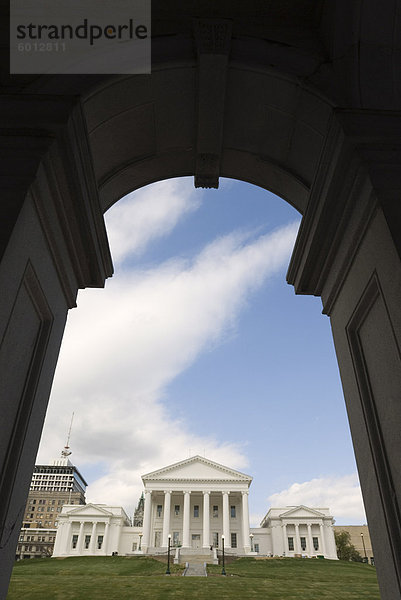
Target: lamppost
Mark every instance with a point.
(365, 559)
(251, 536)
(140, 542)
(223, 572)
(168, 555)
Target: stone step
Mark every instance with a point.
(193, 559)
(195, 570)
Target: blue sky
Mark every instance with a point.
(199, 346)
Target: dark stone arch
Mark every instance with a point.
(302, 98)
(272, 137)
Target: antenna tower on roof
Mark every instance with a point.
(66, 451)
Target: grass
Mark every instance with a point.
(143, 578)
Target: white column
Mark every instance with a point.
(92, 547)
(310, 540)
(68, 535)
(185, 520)
(117, 537)
(63, 541)
(206, 520)
(245, 522)
(285, 541)
(322, 540)
(106, 538)
(226, 521)
(297, 540)
(80, 537)
(166, 518)
(147, 513)
(331, 543)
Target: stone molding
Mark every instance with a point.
(359, 152)
(62, 184)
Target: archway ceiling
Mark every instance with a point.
(273, 131)
(290, 62)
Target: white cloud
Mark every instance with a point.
(125, 345)
(341, 494)
(149, 213)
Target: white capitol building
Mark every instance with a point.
(195, 504)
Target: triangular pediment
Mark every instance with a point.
(302, 511)
(93, 510)
(197, 468)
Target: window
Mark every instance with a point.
(215, 511)
(196, 510)
(134, 546)
(232, 512)
(87, 541)
(215, 539)
(316, 543)
(177, 510)
(290, 544)
(100, 542)
(176, 538)
(256, 548)
(74, 541)
(233, 540)
(303, 544)
(159, 510)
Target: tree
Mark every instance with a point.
(346, 550)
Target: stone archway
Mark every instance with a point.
(278, 95)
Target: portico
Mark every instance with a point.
(91, 530)
(300, 530)
(196, 501)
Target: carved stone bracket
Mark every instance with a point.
(213, 36)
(213, 39)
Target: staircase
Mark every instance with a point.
(196, 567)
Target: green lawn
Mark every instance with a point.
(139, 578)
